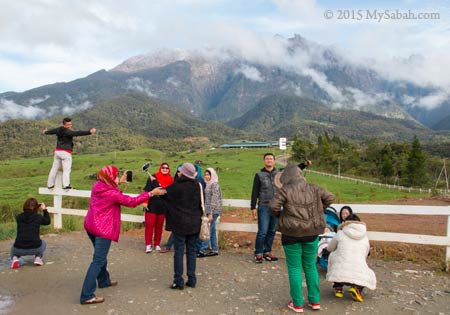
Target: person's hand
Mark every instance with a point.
(152, 178)
(123, 178)
(158, 191)
(42, 206)
(210, 217)
(308, 162)
(44, 131)
(254, 214)
(92, 131)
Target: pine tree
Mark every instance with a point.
(415, 168)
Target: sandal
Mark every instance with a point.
(94, 300)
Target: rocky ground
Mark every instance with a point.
(227, 284)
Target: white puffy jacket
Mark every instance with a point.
(347, 260)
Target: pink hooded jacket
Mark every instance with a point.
(103, 217)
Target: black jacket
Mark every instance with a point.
(263, 187)
(155, 203)
(28, 228)
(64, 137)
(184, 211)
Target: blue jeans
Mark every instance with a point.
(97, 269)
(203, 245)
(181, 242)
(267, 225)
(169, 243)
(39, 252)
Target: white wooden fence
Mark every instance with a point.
(58, 211)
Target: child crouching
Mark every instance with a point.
(347, 261)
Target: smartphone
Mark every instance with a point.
(129, 176)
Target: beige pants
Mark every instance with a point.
(61, 159)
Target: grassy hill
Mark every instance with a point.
(21, 178)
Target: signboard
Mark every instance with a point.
(282, 143)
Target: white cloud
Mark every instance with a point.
(140, 85)
(321, 80)
(11, 110)
(361, 99)
(250, 73)
(71, 108)
(433, 100)
(47, 41)
(173, 81)
(34, 101)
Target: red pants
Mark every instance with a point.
(153, 224)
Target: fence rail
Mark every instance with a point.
(58, 211)
(397, 187)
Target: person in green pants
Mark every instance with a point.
(299, 207)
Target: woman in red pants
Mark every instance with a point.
(156, 208)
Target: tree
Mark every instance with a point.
(301, 149)
(415, 167)
(387, 162)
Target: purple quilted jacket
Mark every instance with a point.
(103, 217)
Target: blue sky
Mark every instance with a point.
(48, 41)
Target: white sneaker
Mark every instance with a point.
(148, 249)
(158, 248)
(38, 261)
(15, 263)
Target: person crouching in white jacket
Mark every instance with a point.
(347, 261)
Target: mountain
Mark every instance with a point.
(125, 122)
(443, 124)
(286, 115)
(226, 86)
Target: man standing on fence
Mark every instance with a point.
(63, 152)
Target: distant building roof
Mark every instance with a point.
(247, 144)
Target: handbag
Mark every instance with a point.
(204, 227)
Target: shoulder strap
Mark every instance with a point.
(201, 198)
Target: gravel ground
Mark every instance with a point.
(227, 284)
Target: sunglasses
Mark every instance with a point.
(164, 168)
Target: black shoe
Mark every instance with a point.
(201, 255)
(212, 254)
(176, 286)
(270, 257)
(188, 284)
(51, 187)
(68, 187)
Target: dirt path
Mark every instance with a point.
(227, 284)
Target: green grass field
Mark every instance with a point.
(236, 169)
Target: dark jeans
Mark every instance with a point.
(19, 252)
(267, 225)
(169, 243)
(97, 269)
(181, 242)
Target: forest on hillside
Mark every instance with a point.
(398, 163)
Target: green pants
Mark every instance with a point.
(303, 256)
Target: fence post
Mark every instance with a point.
(57, 203)
(447, 250)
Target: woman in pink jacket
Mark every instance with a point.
(102, 224)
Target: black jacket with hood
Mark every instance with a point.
(28, 229)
